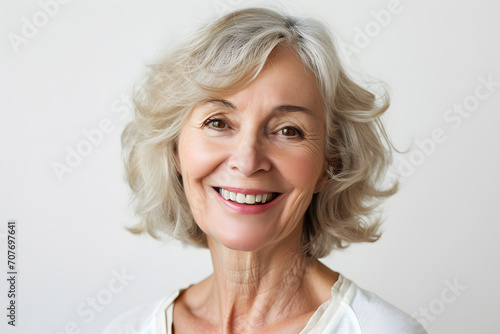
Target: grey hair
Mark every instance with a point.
(224, 57)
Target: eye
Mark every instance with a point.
(290, 132)
(216, 124)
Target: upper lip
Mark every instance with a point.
(247, 191)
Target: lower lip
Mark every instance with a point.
(248, 209)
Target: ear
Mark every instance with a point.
(336, 166)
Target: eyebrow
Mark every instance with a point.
(223, 103)
(278, 109)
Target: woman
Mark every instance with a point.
(251, 140)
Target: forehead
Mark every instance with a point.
(283, 80)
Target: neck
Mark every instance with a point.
(252, 289)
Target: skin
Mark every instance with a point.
(268, 136)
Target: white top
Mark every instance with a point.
(351, 310)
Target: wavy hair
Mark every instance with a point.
(222, 58)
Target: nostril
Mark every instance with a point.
(249, 162)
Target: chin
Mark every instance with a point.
(241, 245)
(243, 239)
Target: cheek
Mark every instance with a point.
(303, 167)
(198, 158)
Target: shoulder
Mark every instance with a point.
(141, 319)
(376, 315)
(354, 310)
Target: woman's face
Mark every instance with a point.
(251, 161)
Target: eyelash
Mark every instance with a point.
(210, 121)
(298, 134)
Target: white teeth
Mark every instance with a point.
(250, 199)
(247, 199)
(240, 198)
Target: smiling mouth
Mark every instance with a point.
(246, 198)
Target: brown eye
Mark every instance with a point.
(288, 132)
(217, 124)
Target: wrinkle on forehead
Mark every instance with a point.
(284, 80)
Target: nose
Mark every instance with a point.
(249, 156)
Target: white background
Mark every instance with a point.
(441, 228)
